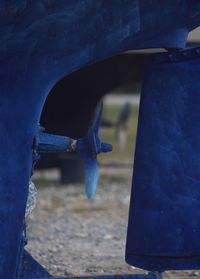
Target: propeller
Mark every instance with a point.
(87, 148)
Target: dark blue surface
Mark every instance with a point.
(31, 269)
(164, 226)
(40, 42)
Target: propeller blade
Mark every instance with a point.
(91, 176)
(88, 148)
(97, 119)
(89, 157)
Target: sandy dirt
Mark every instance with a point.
(70, 235)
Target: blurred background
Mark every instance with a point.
(68, 234)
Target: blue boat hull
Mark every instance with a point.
(43, 41)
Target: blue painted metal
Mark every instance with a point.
(164, 225)
(40, 42)
(47, 143)
(29, 268)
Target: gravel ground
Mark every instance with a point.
(70, 235)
